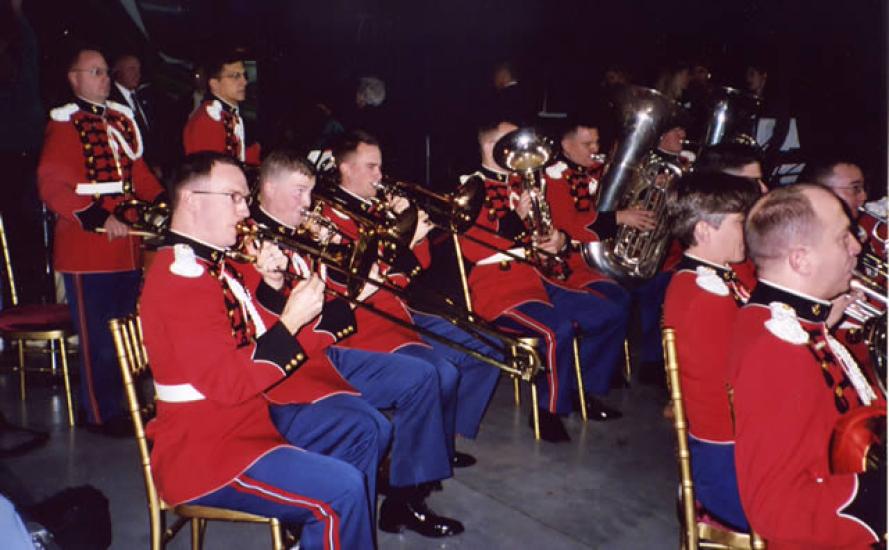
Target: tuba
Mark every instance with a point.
(731, 117)
(525, 151)
(637, 178)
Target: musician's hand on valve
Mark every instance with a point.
(523, 207)
(424, 226)
(399, 204)
(115, 228)
(553, 243)
(643, 220)
(839, 304)
(270, 263)
(303, 304)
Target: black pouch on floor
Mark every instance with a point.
(78, 518)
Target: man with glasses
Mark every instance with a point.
(91, 162)
(217, 124)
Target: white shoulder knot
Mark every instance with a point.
(214, 109)
(466, 177)
(120, 107)
(185, 263)
(556, 170)
(710, 281)
(785, 325)
(63, 113)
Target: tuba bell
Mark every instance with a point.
(637, 178)
(731, 116)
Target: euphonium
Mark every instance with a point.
(525, 151)
(637, 177)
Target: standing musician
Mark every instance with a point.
(407, 380)
(794, 382)
(707, 217)
(91, 162)
(217, 124)
(218, 336)
(572, 192)
(513, 295)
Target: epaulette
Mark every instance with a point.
(63, 113)
(185, 262)
(785, 325)
(556, 170)
(466, 177)
(121, 108)
(709, 280)
(214, 109)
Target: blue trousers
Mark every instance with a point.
(555, 329)
(601, 317)
(94, 299)
(716, 482)
(341, 426)
(650, 296)
(324, 494)
(478, 380)
(409, 386)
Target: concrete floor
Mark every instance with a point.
(612, 487)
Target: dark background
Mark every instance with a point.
(827, 58)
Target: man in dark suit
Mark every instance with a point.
(128, 90)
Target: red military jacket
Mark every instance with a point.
(701, 303)
(213, 352)
(217, 126)
(790, 389)
(91, 161)
(379, 334)
(497, 282)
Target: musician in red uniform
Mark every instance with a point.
(513, 294)
(215, 346)
(407, 380)
(91, 162)
(706, 215)
(793, 381)
(217, 125)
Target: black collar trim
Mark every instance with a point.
(806, 307)
(202, 250)
(89, 106)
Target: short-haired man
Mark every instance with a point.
(91, 162)
(793, 382)
(706, 215)
(218, 336)
(217, 124)
(406, 382)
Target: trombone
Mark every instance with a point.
(145, 219)
(520, 354)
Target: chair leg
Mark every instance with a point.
(628, 362)
(277, 539)
(157, 530)
(516, 391)
(21, 345)
(197, 533)
(575, 343)
(535, 412)
(67, 381)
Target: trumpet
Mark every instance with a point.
(520, 356)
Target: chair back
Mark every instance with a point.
(7, 264)
(680, 424)
(133, 360)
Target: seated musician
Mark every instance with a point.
(793, 381)
(214, 349)
(403, 381)
(512, 293)
(707, 217)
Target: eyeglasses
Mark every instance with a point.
(94, 72)
(857, 189)
(235, 76)
(236, 198)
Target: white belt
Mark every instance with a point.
(502, 257)
(177, 393)
(104, 188)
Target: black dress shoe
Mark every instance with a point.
(551, 427)
(462, 460)
(596, 410)
(118, 427)
(397, 514)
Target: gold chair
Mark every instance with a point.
(50, 323)
(133, 359)
(696, 533)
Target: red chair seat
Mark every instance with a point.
(35, 317)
